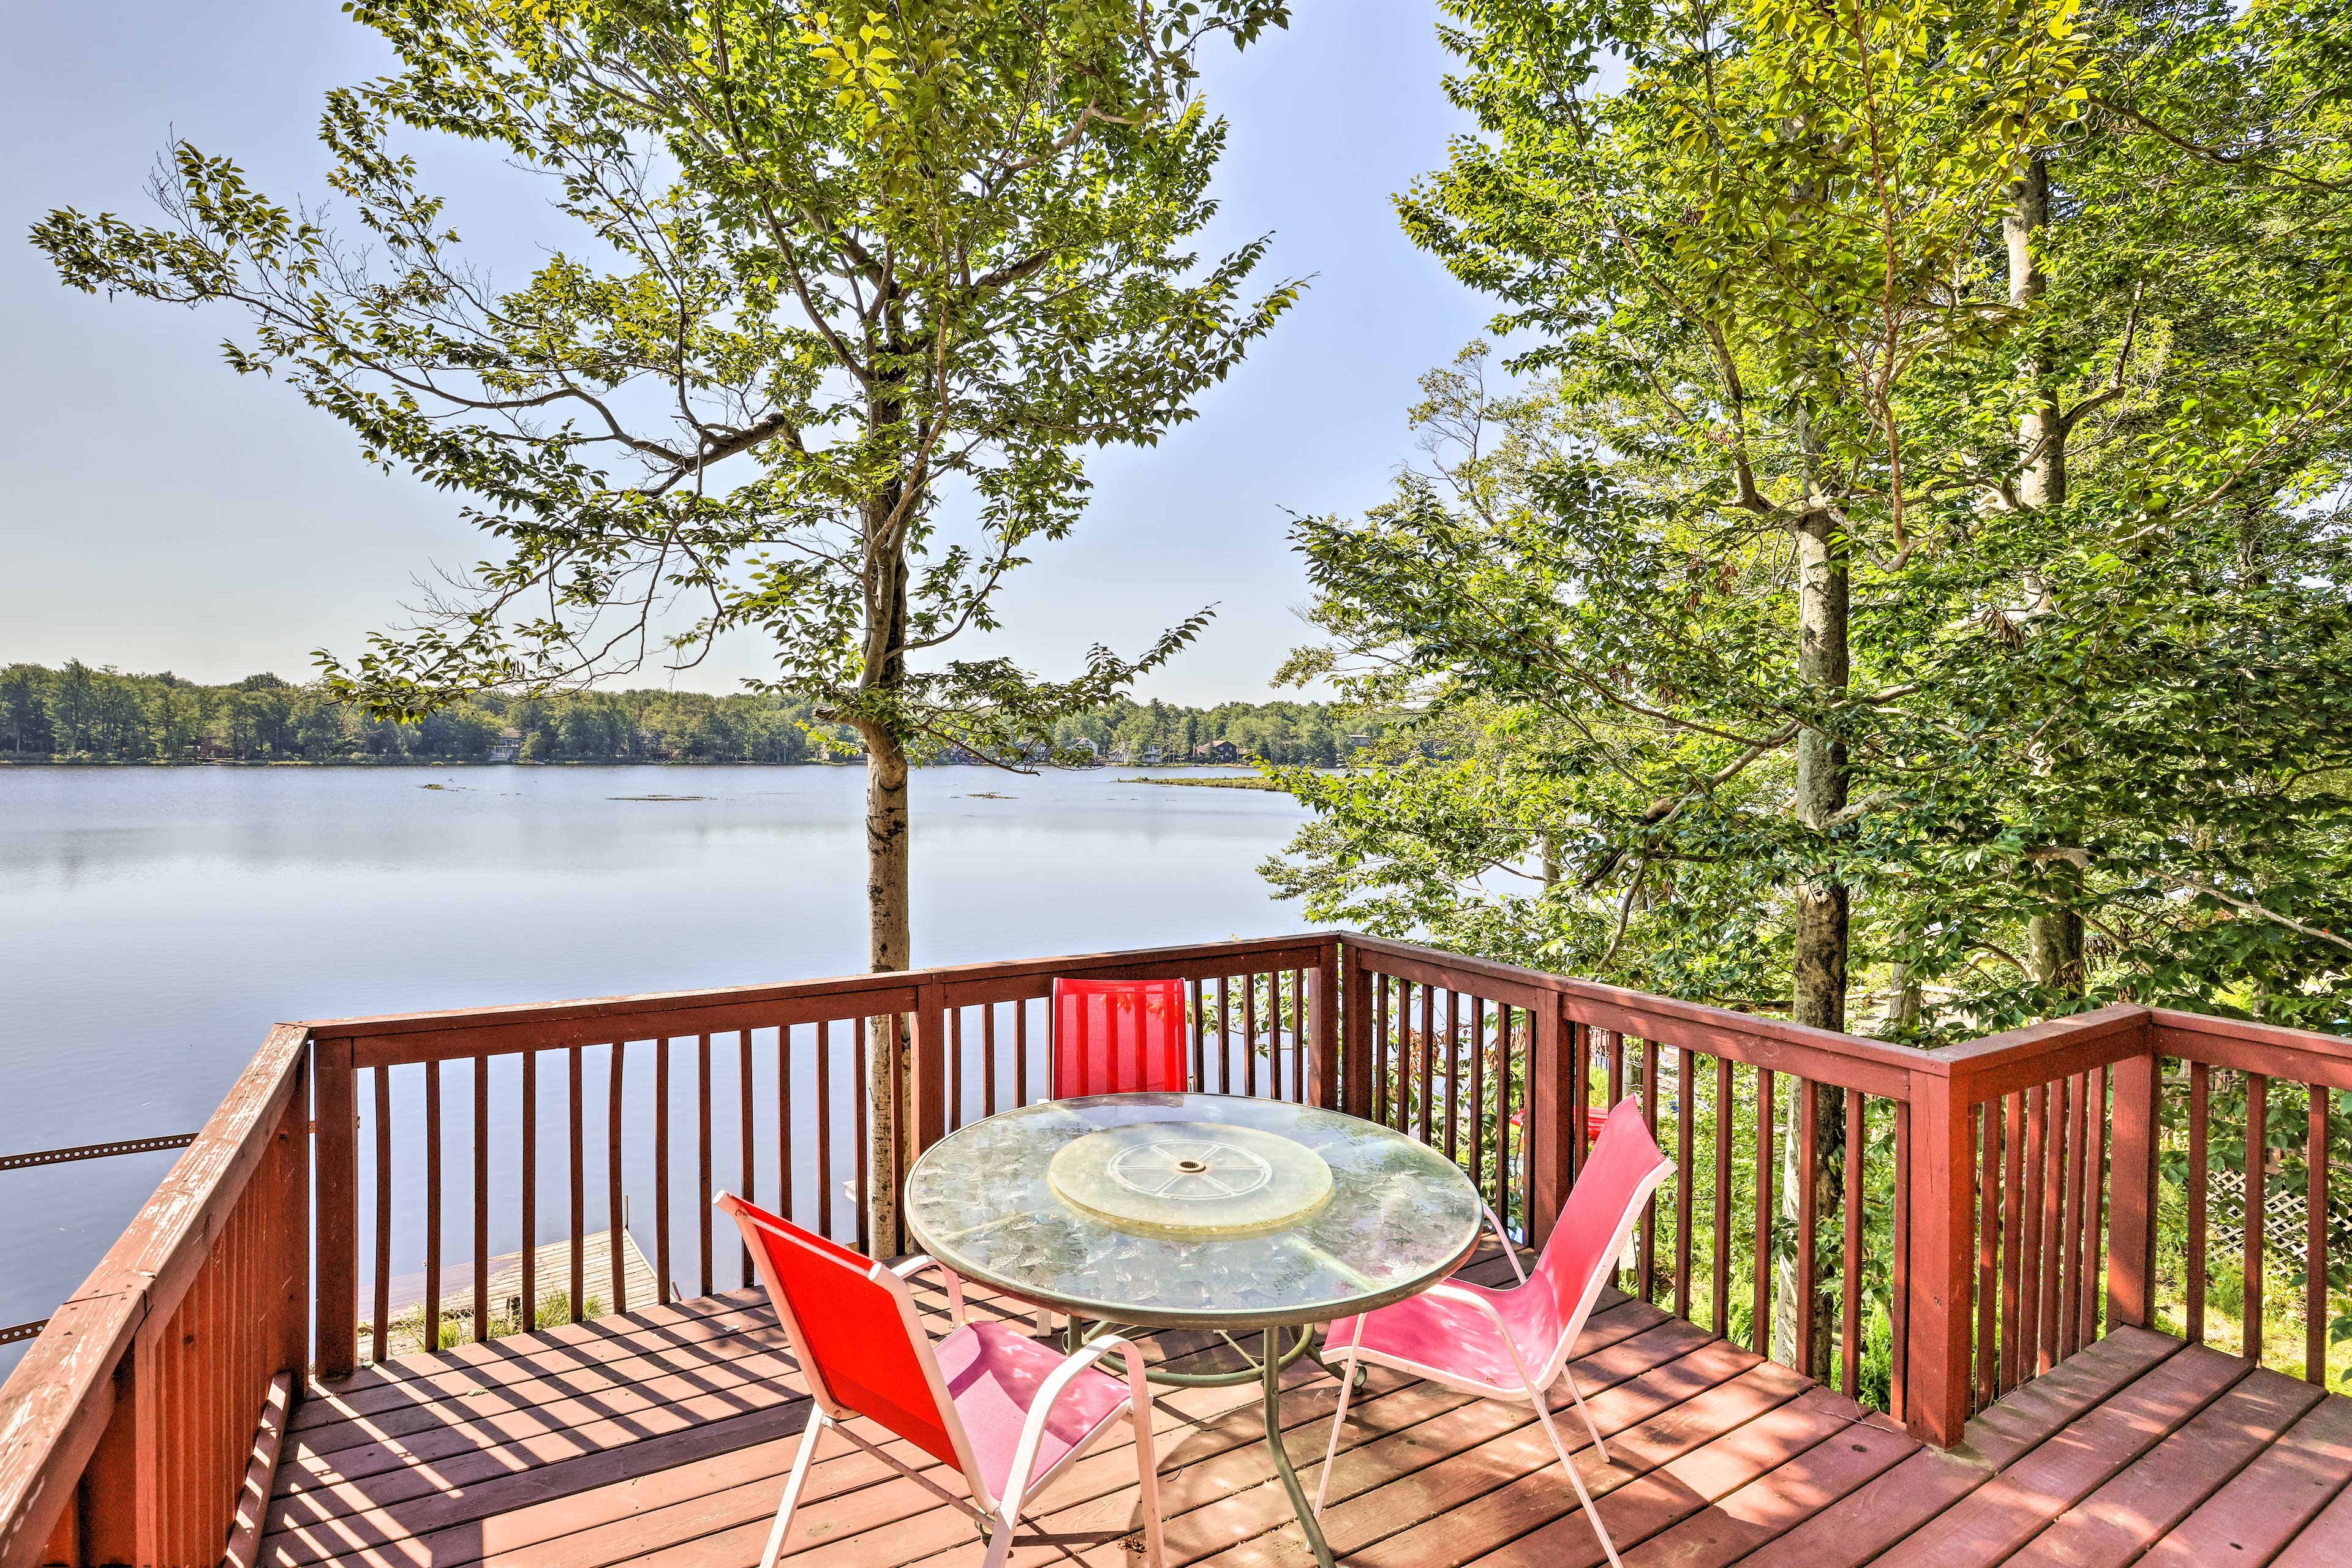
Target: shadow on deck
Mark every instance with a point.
(663, 1436)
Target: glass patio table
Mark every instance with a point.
(1202, 1211)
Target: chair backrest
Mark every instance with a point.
(1618, 1175)
(853, 1325)
(1119, 1036)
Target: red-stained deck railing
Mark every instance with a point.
(1987, 1209)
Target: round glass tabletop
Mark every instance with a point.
(1163, 1210)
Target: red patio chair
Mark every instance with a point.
(1001, 1411)
(1513, 1343)
(1119, 1036)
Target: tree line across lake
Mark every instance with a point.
(78, 713)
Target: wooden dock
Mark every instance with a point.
(550, 1275)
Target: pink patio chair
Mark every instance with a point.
(1512, 1343)
(1000, 1411)
(1119, 1036)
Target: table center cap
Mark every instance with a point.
(1191, 1178)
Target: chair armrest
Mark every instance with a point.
(1503, 1239)
(1033, 1427)
(916, 1265)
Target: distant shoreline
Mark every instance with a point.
(1250, 781)
(428, 764)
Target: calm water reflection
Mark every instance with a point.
(153, 922)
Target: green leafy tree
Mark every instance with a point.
(835, 280)
(1917, 539)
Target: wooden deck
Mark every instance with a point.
(663, 1436)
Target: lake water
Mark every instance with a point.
(155, 921)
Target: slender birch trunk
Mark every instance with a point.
(2055, 936)
(1822, 922)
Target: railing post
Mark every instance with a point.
(336, 1149)
(293, 1249)
(2131, 1205)
(1548, 1136)
(930, 1072)
(1322, 1085)
(1355, 1034)
(1937, 1341)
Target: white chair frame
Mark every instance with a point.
(1531, 1389)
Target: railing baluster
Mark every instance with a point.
(703, 1111)
(2078, 1163)
(1477, 1092)
(1249, 1035)
(530, 1188)
(1760, 1327)
(579, 1192)
(1719, 1245)
(1224, 1036)
(661, 1170)
(1021, 1045)
(1453, 1042)
(1503, 1113)
(378, 1330)
(1428, 1057)
(1616, 1070)
(2094, 1210)
(2200, 1127)
(1898, 1292)
(2012, 1227)
(432, 1308)
(1988, 1356)
(616, 1085)
(1580, 1135)
(1686, 1109)
(1857, 1217)
(2028, 1301)
(988, 1059)
(784, 1122)
(2258, 1095)
(2054, 1217)
(1808, 1221)
(826, 1202)
(1380, 1084)
(747, 1138)
(481, 1199)
(1649, 1254)
(1199, 1031)
(2315, 1245)
(1301, 1023)
(955, 1068)
(857, 1081)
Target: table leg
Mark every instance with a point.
(1270, 1365)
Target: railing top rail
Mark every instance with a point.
(55, 1404)
(2018, 1058)
(591, 1009)
(2269, 1049)
(1847, 1060)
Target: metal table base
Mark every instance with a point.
(1267, 1368)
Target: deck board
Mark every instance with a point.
(663, 1438)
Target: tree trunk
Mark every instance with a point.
(889, 941)
(2055, 937)
(1822, 927)
(889, 945)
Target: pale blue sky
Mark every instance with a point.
(169, 514)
